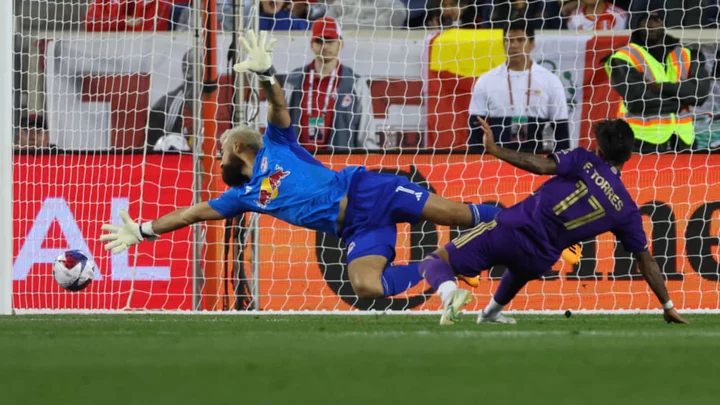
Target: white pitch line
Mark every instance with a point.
(530, 333)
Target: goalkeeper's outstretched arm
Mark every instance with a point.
(120, 238)
(259, 61)
(183, 217)
(651, 273)
(278, 113)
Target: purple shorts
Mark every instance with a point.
(490, 244)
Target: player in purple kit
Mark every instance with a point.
(585, 198)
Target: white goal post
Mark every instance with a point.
(106, 98)
(6, 157)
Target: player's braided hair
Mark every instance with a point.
(615, 139)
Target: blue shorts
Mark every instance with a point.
(376, 204)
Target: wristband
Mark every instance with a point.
(146, 231)
(668, 305)
(268, 75)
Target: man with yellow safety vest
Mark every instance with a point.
(659, 80)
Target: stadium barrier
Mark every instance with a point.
(304, 270)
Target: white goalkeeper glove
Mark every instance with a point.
(120, 238)
(259, 56)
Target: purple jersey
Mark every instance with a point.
(585, 199)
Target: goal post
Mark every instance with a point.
(6, 157)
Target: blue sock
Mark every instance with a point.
(483, 213)
(396, 279)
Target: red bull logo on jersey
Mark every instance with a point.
(269, 187)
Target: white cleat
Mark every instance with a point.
(453, 306)
(500, 318)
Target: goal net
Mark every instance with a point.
(119, 107)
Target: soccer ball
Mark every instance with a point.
(73, 270)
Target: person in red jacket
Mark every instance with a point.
(129, 15)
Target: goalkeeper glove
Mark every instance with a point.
(120, 238)
(259, 54)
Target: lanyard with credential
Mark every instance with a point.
(510, 92)
(330, 89)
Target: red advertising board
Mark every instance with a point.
(61, 201)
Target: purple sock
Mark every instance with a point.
(436, 270)
(510, 285)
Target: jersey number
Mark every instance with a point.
(582, 191)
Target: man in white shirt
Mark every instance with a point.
(524, 103)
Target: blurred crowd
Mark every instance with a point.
(163, 15)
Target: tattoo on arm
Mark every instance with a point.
(527, 161)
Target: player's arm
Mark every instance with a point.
(527, 161)
(120, 238)
(183, 217)
(651, 273)
(259, 61)
(278, 113)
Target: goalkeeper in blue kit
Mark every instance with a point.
(272, 174)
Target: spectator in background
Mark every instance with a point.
(33, 133)
(597, 15)
(707, 116)
(452, 13)
(309, 10)
(368, 13)
(129, 15)
(171, 116)
(658, 80)
(675, 13)
(505, 12)
(280, 15)
(329, 104)
(418, 11)
(525, 103)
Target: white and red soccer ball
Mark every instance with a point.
(73, 270)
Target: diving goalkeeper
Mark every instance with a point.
(272, 174)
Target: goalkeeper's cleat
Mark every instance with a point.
(499, 318)
(452, 307)
(572, 254)
(473, 282)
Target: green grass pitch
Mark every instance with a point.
(165, 359)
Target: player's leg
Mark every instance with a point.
(466, 255)
(446, 212)
(365, 275)
(510, 285)
(442, 211)
(440, 275)
(411, 203)
(370, 254)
